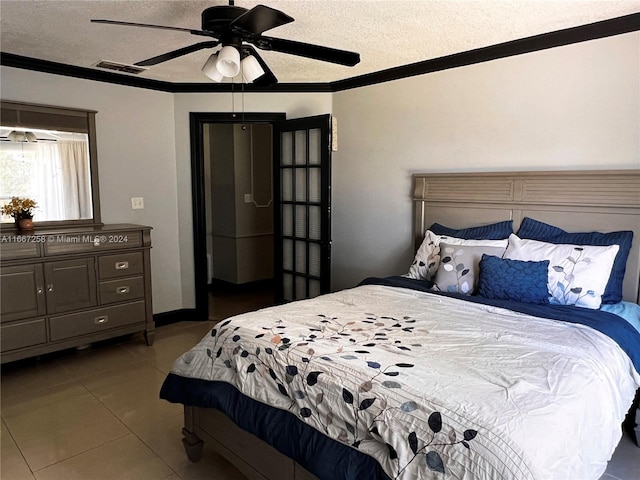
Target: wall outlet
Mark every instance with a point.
(248, 198)
(137, 203)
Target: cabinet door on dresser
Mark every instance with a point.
(70, 284)
(22, 292)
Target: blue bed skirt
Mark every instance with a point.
(320, 455)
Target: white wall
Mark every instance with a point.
(136, 158)
(572, 107)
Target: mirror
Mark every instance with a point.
(48, 154)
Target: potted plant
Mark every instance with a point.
(21, 209)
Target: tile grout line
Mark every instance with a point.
(18, 447)
(131, 432)
(82, 453)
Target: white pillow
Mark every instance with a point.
(578, 274)
(427, 259)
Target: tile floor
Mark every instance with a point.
(95, 413)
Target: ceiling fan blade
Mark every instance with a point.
(259, 19)
(176, 53)
(146, 25)
(317, 52)
(268, 78)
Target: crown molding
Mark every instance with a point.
(583, 33)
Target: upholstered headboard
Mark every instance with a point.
(576, 201)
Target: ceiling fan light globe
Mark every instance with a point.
(251, 68)
(228, 63)
(22, 136)
(210, 70)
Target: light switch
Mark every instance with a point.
(137, 203)
(248, 198)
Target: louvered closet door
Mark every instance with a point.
(303, 216)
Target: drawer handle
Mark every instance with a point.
(50, 287)
(101, 319)
(122, 265)
(40, 290)
(121, 290)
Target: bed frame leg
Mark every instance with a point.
(192, 445)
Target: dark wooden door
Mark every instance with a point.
(302, 214)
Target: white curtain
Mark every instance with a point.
(48, 182)
(63, 180)
(76, 178)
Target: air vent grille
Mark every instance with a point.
(120, 67)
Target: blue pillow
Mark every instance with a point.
(519, 280)
(536, 230)
(495, 231)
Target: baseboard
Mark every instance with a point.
(182, 315)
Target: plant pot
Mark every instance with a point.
(25, 224)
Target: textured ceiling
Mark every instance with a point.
(386, 33)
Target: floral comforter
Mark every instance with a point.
(431, 385)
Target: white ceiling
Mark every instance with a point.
(386, 33)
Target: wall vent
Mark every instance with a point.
(120, 67)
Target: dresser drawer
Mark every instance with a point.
(121, 265)
(23, 334)
(15, 247)
(121, 290)
(91, 242)
(98, 320)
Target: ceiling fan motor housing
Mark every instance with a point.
(216, 19)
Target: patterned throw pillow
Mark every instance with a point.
(427, 259)
(458, 270)
(578, 274)
(519, 280)
(536, 230)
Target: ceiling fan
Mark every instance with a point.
(237, 30)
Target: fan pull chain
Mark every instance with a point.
(233, 103)
(244, 126)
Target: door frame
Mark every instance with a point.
(197, 120)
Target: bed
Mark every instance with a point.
(412, 377)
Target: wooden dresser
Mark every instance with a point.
(64, 288)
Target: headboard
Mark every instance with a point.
(576, 201)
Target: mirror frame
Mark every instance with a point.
(18, 114)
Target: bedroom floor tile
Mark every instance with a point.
(31, 375)
(131, 393)
(98, 359)
(52, 428)
(227, 304)
(625, 463)
(165, 439)
(167, 349)
(128, 459)
(12, 463)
